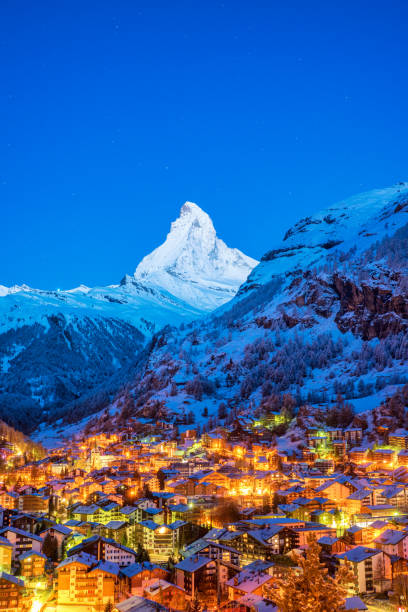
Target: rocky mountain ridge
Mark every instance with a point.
(326, 317)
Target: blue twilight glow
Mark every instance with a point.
(114, 113)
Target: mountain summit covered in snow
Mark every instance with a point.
(354, 223)
(195, 265)
(324, 315)
(57, 345)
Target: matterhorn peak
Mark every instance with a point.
(190, 208)
(191, 218)
(194, 264)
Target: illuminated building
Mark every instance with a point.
(83, 580)
(197, 576)
(22, 541)
(104, 549)
(11, 591)
(138, 575)
(371, 567)
(161, 541)
(6, 552)
(399, 439)
(32, 564)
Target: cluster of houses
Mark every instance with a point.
(125, 521)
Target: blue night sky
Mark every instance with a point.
(115, 113)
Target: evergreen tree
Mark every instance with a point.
(50, 547)
(313, 590)
(142, 554)
(222, 410)
(161, 477)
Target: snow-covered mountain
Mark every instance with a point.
(14, 289)
(195, 265)
(324, 313)
(57, 345)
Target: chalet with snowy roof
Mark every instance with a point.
(21, 541)
(356, 535)
(116, 530)
(353, 436)
(161, 591)
(393, 542)
(130, 514)
(399, 439)
(383, 458)
(323, 517)
(180, 512)
(371, 566)
(337, 490)
(332, 545)
(27, 522)
(138, 574)
(94, 583)
(197, 575)
(249, 581)
(8, 499)
(358, 454)
(402, 458)
(163, 498)
(213, 550)
(105, 549)
(395, 494)
(377, 511)
(315, 530)
(33, 502)
(264, 543)
(32, 564)
(356, 500)
(162, 541)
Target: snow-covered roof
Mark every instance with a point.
(192, 564)
(358, 554)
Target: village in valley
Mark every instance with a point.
(153, 516)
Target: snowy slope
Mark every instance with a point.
(146, 308)
(14, 289)
(356, 222)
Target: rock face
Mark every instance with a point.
(370, 311)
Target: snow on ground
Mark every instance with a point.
(362, 404)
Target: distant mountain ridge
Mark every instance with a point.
(100, 330)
